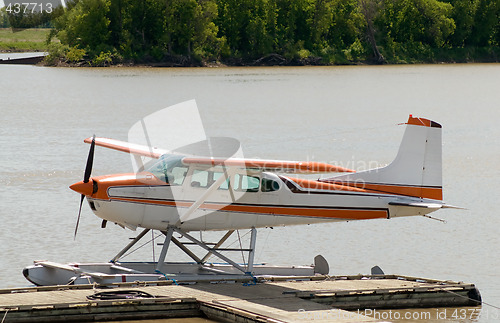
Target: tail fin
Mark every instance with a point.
(416, 170)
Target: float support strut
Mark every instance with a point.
(211, 250)
(164, 249)
(130, 245)
(251, 253)
(218, 244)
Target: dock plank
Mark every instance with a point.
(350, 284)
(279, 300)
(327, 314)
(265, 300)
(45, 297)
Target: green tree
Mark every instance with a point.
(143, 26)
(437, 17)
(337, 30)
(86, 25)
(411, 28)
(371, 11)
(497, 31)
(190, 27)
(348, 23)
(463, 15)
(293, 25)
(486, 21)
(249, 26)
(206, 43)
(116, 17)
(4, 18)
(320, 21)
(260, 28)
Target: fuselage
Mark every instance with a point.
(157, 198)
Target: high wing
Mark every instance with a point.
(302, 167)
(286, 166)
(230, 164)
(135, 149)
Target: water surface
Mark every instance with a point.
(343, 115)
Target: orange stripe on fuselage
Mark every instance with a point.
(333, 213)
(435, 193)
(310, 212)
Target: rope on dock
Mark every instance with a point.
(165, 275)
(120, 294)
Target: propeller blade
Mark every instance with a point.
(90, 161)
(79, 213)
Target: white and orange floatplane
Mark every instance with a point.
(181, 192)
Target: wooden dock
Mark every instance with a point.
(274, 299)
(23, 60)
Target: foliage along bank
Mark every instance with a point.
(275, 32)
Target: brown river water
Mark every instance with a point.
(344, 115)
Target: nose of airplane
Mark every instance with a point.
(83, 188)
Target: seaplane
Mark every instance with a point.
(203, 187)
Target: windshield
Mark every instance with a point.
(168, 168)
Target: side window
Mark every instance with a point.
(199, 178)
(177, 175)
(203, 178)
(246, 183)
(268, 185)
(224, 185)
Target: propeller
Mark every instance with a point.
(86, 179)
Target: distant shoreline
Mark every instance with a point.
(268, 60)
(250, 64)
(232, 63)
(35, 40)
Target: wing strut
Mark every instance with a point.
(188, 215)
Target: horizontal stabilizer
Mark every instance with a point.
(418, 204)
(447, 206)
(427, 205)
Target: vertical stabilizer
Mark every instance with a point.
(416, 170)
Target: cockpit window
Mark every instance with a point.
(177, 175)
(168, 168)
